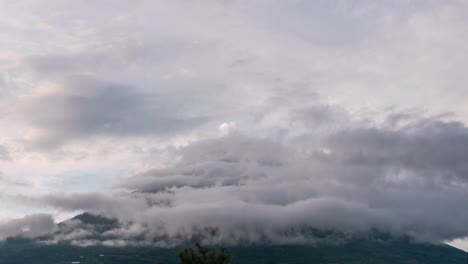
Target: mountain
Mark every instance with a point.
(383, 250)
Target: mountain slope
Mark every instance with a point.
(364, 250)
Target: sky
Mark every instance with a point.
(253, 118)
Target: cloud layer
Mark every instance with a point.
(404, 179)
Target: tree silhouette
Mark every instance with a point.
(205, 255)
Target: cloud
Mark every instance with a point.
(4, 153)
(214, 162)
(428, 147)
(258, 134)
(403, 180)
(84, 107)
(406, 180)
(9, 181)
(92, 202)
(28, 226)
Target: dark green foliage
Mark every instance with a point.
(204, 255)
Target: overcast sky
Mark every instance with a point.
(254, 118)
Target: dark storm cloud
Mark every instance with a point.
(85, 107)
(406, 180)
(428, 147)
(396, 180)
(29, 226)
(215, 162)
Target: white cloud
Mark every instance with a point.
(227, 127)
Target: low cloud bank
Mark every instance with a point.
(28, 226)
(405, 176)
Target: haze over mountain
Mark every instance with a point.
(335, 247)
(234, 122)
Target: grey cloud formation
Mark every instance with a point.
(28, 226)
(85, 107)
(216, 162)
(428, 147)
(92, 202)
(405, 180)
(4, 153)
